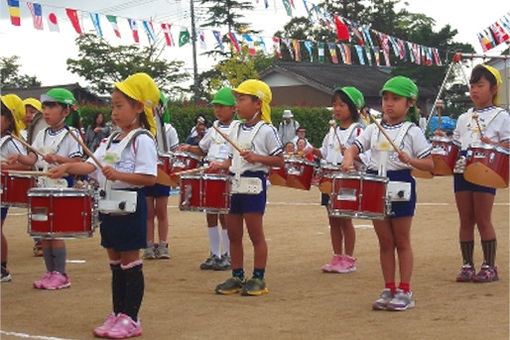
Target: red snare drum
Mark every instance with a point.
(359, 195)
(184, 161)
(205, 192)
(299, 173)
(15, 188)
(487, 165)
(278, 176)
(165, 162)
(445, 152)
(61, 213)
(328, 171)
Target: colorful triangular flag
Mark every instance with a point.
(97, 25)
(14, 12)
(53, 23)
(134, 29)
(183, 36)
(73, 16)
(168, 34)
(149, 29)
(277, 49)
(113, 20)
(36, 11)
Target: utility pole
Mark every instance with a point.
(194, 45)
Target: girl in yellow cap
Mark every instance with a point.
(129, 162)
(347, 102)
(261, 149)
(12, 107)
(399, 95)
(474, 202)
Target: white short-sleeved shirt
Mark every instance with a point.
(330, 149)
(46, 142)
(414, 144)
(497, 130)
(215, 146)
(266, 143)
(10, 146)
(142, 161)
(172, 138)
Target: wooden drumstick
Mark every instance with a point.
(384, 133)
(189, 171)
(85, 148)
(439, 107)
(227, 138)
(475, 117)
(30, 172)
(28, 146)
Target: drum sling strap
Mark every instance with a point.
(472, 126)
(396, 190)
(244, 185)
(119, 202)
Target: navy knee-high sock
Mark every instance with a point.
(134, 290)
(118, 288)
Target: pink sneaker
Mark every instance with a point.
(42, 281)
(335, 260)
(124, 328)
(345, 265)
(57, 281)
(106, 326)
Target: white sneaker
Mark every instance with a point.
(401, 301)
(384, 299)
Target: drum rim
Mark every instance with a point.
(300, 161)
(184, 153)
(60, 192)
(486, 146)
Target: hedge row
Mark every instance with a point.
(183, 118)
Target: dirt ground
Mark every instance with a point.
(303, 302)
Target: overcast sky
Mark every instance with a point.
(44, 53)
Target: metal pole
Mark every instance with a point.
(194, 46)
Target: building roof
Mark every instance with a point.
(326, 77)
(81, 94)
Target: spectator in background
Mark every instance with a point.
(288, 127)
(200, 118)
(199, 132)
(301, 134)
(96, 131)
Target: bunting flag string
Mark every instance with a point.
(349, 34)
(496, 34)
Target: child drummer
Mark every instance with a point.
(217, 149)
(474, 202)
(258, 148)
(399, 95)
(346, 102)
(58, 147)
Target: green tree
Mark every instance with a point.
(10, 74)
(103, 64)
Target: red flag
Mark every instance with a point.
(342, 32)
(168, 34)
(234, 42)
(277, 49)
(73, 16)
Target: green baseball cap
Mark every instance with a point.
(224, 97)
(354, 95)
(59, 95)
(402, 86)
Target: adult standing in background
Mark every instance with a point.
(96, 131)
(288, 127)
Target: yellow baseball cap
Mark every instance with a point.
(17, 108)
(262, 91)
(499, 81)
(141, 87)
(36, 104)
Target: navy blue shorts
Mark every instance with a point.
(4, 212)
(126, 232)
(460, 184)
(157, 190)
(402, 209)
(244, 203)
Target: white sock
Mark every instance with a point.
(214, 240)
(226, 241)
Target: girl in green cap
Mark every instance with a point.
(474, 201)
(399, 96)
(346, 102)
(59, 148)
